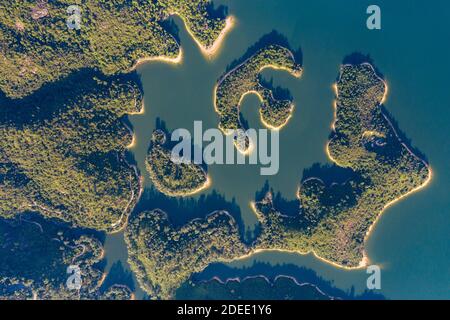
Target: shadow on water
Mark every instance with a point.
(221, 12)
(286, 207)
(359, 58)
(182, 210)
(356, 58)
(170, 26)
(169, 144)
(403, 138)
(270, 271)
(272, 38)
(278, 92)
(329, 174)
(118, 275)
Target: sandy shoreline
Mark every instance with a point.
(213, 50)
(365, 260)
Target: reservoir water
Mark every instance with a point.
(411, 240)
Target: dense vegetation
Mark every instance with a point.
(37, 47)
(204, 24)
(35, 255)
(335, 219)
(172, 179)
(245, 79)
(254, 288)
(163, 257)
(64, 155)
(261, 288)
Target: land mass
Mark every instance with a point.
(36, 253)
(169, 177)
(333, 220)
(64, 155)
(244, 79)
(163, 257)
(37, 47)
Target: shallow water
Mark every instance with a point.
(411, 240)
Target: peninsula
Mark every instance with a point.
(171, 178)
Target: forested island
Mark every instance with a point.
(171, 178)
(244, 79)
(37, 47)
(333, 220)
(64, 155)
(36, 253)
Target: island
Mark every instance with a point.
(38, 47)
(244, 79)
(335, 220)
(175, 179)
(36, 253)
(65, 155)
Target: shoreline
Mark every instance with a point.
(265, 278)
(177, 60)
(210, 52)
(365, 260)
(362, 263)
(295, 74)
(205, 186)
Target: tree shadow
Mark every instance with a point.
(329, 174)
(272, 38)
(286, 207)
(183, 210)
(402, 136)
(118, 275)
(33, 246)
(219, 12)
(44, 105)
(271, 272)
(278, 92)
(357, 58)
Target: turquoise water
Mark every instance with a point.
(411, 240)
